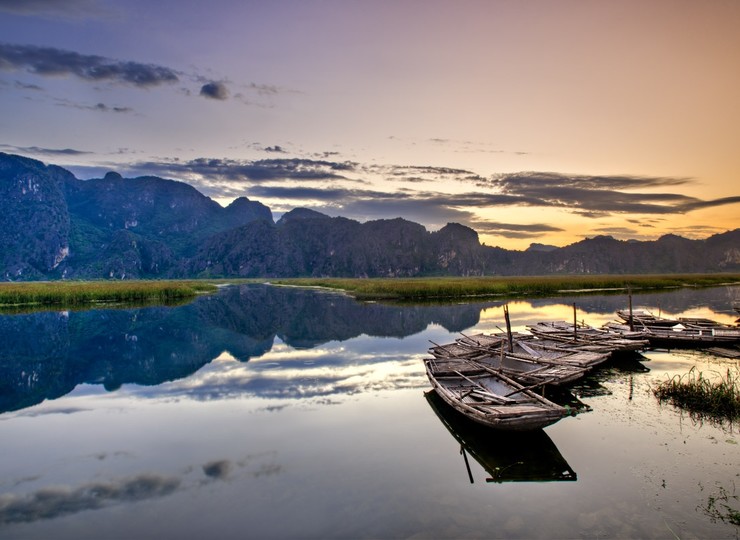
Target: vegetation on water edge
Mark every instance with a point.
(718, 506)
(77, 293)
(460, 287)
(714, 399)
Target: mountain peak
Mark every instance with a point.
(112, 176)
(546, 248)
(301, 213)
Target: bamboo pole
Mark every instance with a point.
(508, 328)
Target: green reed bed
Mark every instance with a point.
(716, 398)
(77, 293)
(460, 287)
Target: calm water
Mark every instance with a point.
(270, 412)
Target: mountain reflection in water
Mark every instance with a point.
(45, 355)
(506, 456)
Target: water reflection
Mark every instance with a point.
(505, 456)
(293, 340)
(54, 501)
(46, 355)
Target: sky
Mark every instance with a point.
(530, 121)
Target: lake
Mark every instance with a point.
(275, 412)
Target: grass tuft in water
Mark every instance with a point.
(716, 398)
(719, 507)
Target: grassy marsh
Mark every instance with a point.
(73, 294)
(462, 287)
(82, 293)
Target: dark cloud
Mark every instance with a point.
(106, 108)
(439, 173)
(36, 150)
(98, 107)
(52, 502)
(253, 171)
(276, 149)
(215, 90)
(430, 208)
(513, 230)
(495, 226)
(48, 61)
(596, 196)
(544, 180)
(310, 193)
(697, 204)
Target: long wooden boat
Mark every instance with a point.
(490, 397)
(523, 369)
(584, 334)
(529, 456)
(682, 336)
(529, 347)
(644, 318)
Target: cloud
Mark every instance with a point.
(253, 171)
(416, 173)
(434, 209)
(49, 61)
(98, 107)
(24, 86)
(513, 230)
(215, 90)
(276, 149)
(697, 204)
(264, 89)
(596, 196)
(617, 231)
(36, 150)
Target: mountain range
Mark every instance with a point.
(56, 226)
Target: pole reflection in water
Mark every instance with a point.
(506, 456)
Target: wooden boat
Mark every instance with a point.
(683, 336)
(679, 332)
(529, 347)
(644, 318)
(529, 456)
(490, 397)
(522, 369)
(584, 334)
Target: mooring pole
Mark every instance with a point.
(508, 328)
(632, 323)
(575, 322)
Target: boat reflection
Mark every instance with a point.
(505, 456)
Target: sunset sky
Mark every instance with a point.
(529, 121)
